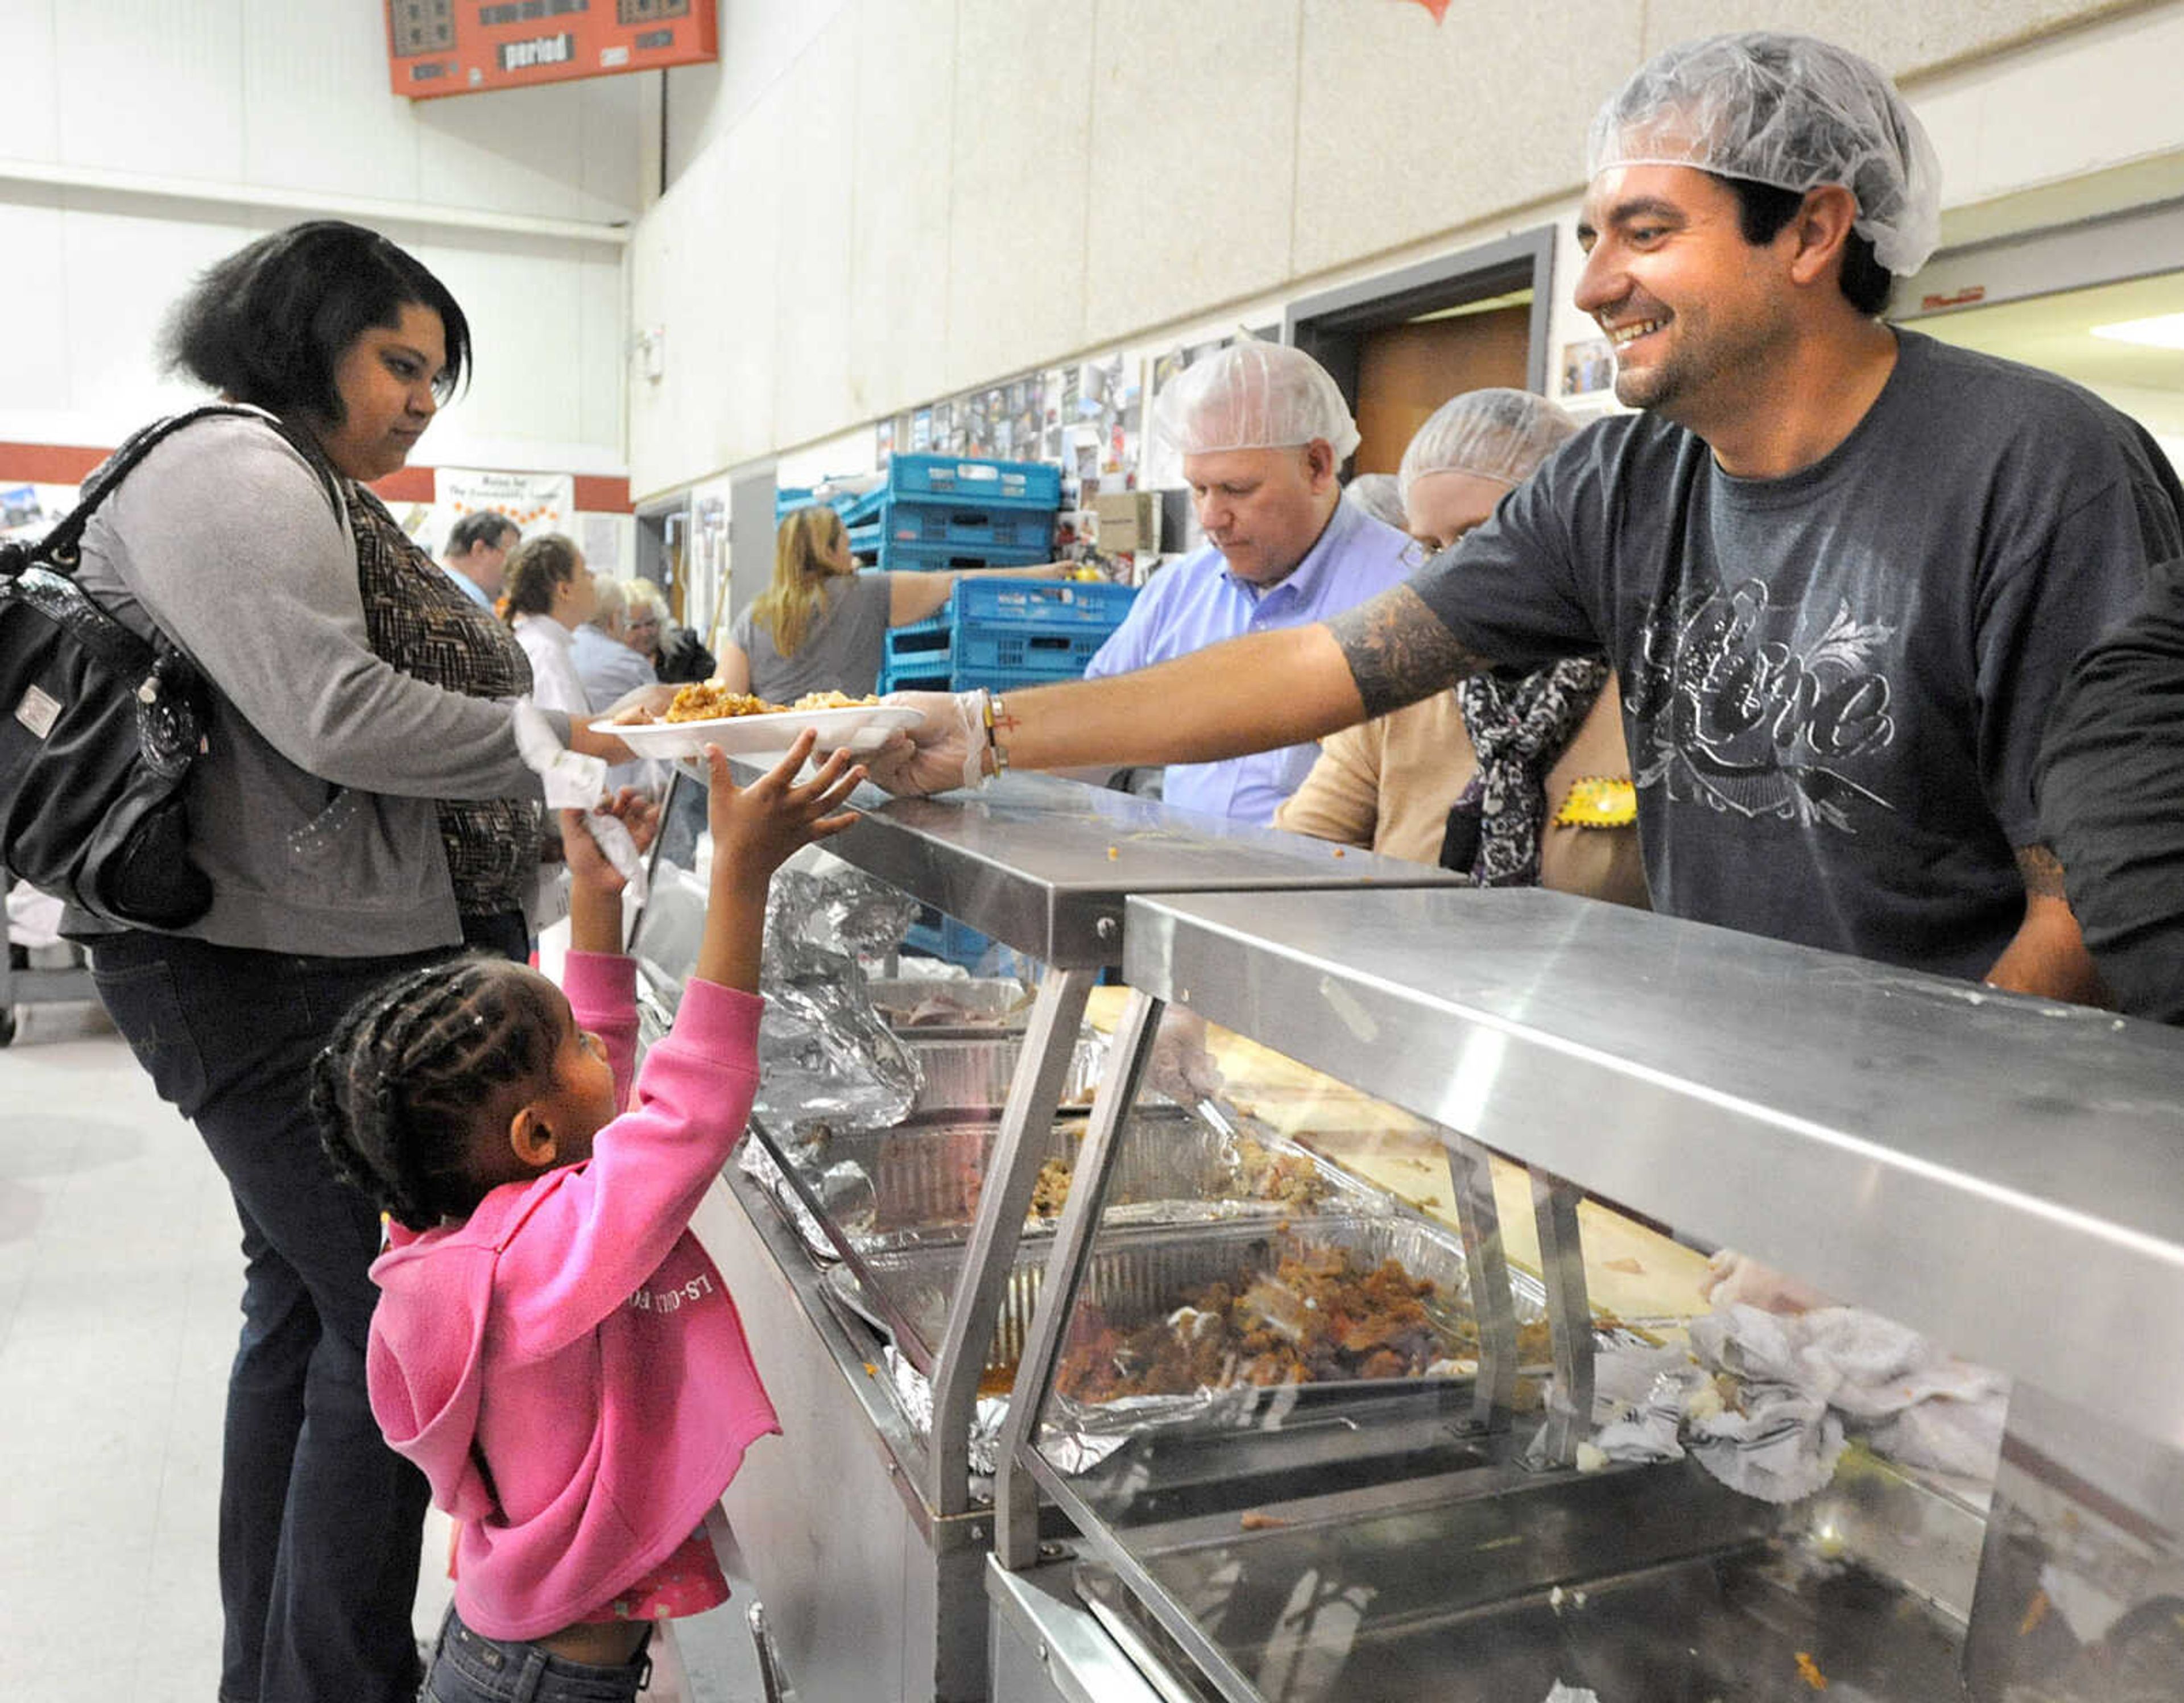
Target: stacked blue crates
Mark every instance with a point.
(939, 511)
(1001, 632)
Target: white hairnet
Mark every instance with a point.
(1495, 434)
(1379, 496)
(1786, 110)
(1253, 395)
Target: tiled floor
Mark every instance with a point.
(119, 1281)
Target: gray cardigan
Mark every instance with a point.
(312, 809)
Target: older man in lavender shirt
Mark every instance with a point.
(1261, 429)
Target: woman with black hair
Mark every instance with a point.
(359, 808)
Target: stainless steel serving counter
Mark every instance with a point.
(2001, 1173)
(1984, 1166)
(1045, 864)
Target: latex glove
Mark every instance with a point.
(948, 751)
(638, 704)
(1732, 1277)
(1180, 1066)
(572, 782)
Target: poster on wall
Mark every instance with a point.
(436, 47)
(536, 502)
(28, 510)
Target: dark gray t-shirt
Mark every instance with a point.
(1834, 683)
(841, 653)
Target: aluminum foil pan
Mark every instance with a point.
(1138, 1274)
(973, 1073)
(1171, 1168)
(917, 1006)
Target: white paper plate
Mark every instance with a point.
(862, 727)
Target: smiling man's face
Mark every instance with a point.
(1696, 313)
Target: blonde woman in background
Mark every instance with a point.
(821, 625)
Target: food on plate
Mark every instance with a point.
(704, 701)
(708, 700)
(1323, 1314)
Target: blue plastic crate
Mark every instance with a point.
(917, 675)
(911, 520)
(937, 671)
(922, 558)
(1042, 602)
(1018, 484)
(859, 509)
(924, 643)
(789, 499)
(1062, 649)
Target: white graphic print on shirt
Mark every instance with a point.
(1735, 716)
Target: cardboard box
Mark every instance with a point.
(1129, 522)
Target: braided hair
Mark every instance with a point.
(411, 1068)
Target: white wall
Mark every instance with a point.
(141, 139)
(1019, 182)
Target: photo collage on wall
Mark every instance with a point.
(1084, 418)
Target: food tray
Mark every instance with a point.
(1171, 1168)
(991, 1005)
(973, 1073)
(1132, 1275)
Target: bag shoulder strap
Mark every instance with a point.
(58, 548)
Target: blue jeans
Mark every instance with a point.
(468, 1667)
(320, 1523)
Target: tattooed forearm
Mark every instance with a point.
(1399, 651)
(2043, 871)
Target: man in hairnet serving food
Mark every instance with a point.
(1839, 569)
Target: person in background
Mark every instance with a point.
(1380, 495)
(1840, 568)
(1514, 779)
(476, 551)
(552, 1345)
(548, 596)
(2111, 800)
(1260, 428)
(607, 662)
(679, 656)
(821, 625)
(365, 692)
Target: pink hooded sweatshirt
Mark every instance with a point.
(565, 1365)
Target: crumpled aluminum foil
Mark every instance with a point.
(825, 1054)
(756, 1163)
(914, 1395)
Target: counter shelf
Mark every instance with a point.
(1896, 1140)
(1042, 866)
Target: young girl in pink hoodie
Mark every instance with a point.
(551, 1346)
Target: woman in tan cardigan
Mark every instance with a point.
(1553, 805)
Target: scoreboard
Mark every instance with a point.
(465, 46)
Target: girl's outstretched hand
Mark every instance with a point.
(756, 828)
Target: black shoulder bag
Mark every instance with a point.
(99, 728)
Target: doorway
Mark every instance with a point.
(1400, 346)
